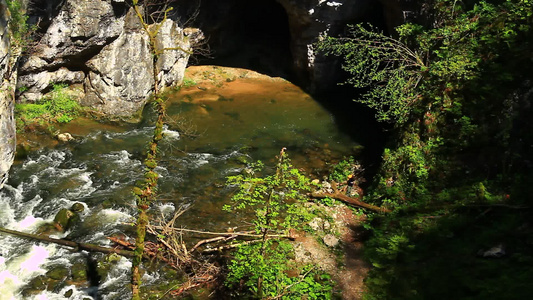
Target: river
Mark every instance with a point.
(225, 119)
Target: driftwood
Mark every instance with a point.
(353, 201)
(227, 247)
(212, 240)
(224, 234)
(77, 246)
(339, 195)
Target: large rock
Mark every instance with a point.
(308, 20)
(102, 45)
(35, 84)
(79, 31)
(171, 63)
(7, 122)
(121, 75)
(81, 28)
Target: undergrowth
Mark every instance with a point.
(57, 107)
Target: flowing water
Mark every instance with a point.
(223, 127)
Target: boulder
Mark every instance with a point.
(171, 63)
(103, 46)
(330, 240)
(65, 219)
(64, 137)
(81, 28)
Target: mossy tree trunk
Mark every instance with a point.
(146, 194)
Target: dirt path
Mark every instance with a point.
(348, 269)
(355, 267)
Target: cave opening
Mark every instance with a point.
(246, 34)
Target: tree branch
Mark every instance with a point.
(72, 244)
(352, 201)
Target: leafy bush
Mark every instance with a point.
(263, 267)
(342, 170)
(279, 276)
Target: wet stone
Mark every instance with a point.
(77, 207)
(79, 272)
(57, 273)
(68, 293)
(62, 219)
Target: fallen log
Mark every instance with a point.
(77, 246)
(352, 201)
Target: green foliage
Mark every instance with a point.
(386, 68)
(279, 276)
(456, 88)
(263, 269)
(342, 170)
(20, 30)
(276, 199)
(57, 107)
(188, 82)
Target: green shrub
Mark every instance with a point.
(20, 30)
(279, 277)
(188, 82)
(57, 107)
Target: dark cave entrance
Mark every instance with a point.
(246, 34)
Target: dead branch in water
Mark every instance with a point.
(72, 244)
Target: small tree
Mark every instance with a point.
(276, 201)
(146, 193)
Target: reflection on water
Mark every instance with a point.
(244, 120)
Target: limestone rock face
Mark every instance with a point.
(308, 20)
(171, 63)
(7, 122)
(102, 45)
(120, 76)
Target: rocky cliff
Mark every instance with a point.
(7, 122)
(309, 19)
(100, 46)
(277, 37)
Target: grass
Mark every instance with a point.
(57, 107)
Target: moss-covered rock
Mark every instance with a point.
(79, 273)
(46, 229)
(104, 265)
(62, 218)
(66, 218)
(77, 207)
(58, 273)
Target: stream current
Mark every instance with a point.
(248, 118)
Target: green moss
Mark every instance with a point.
(58, 273)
